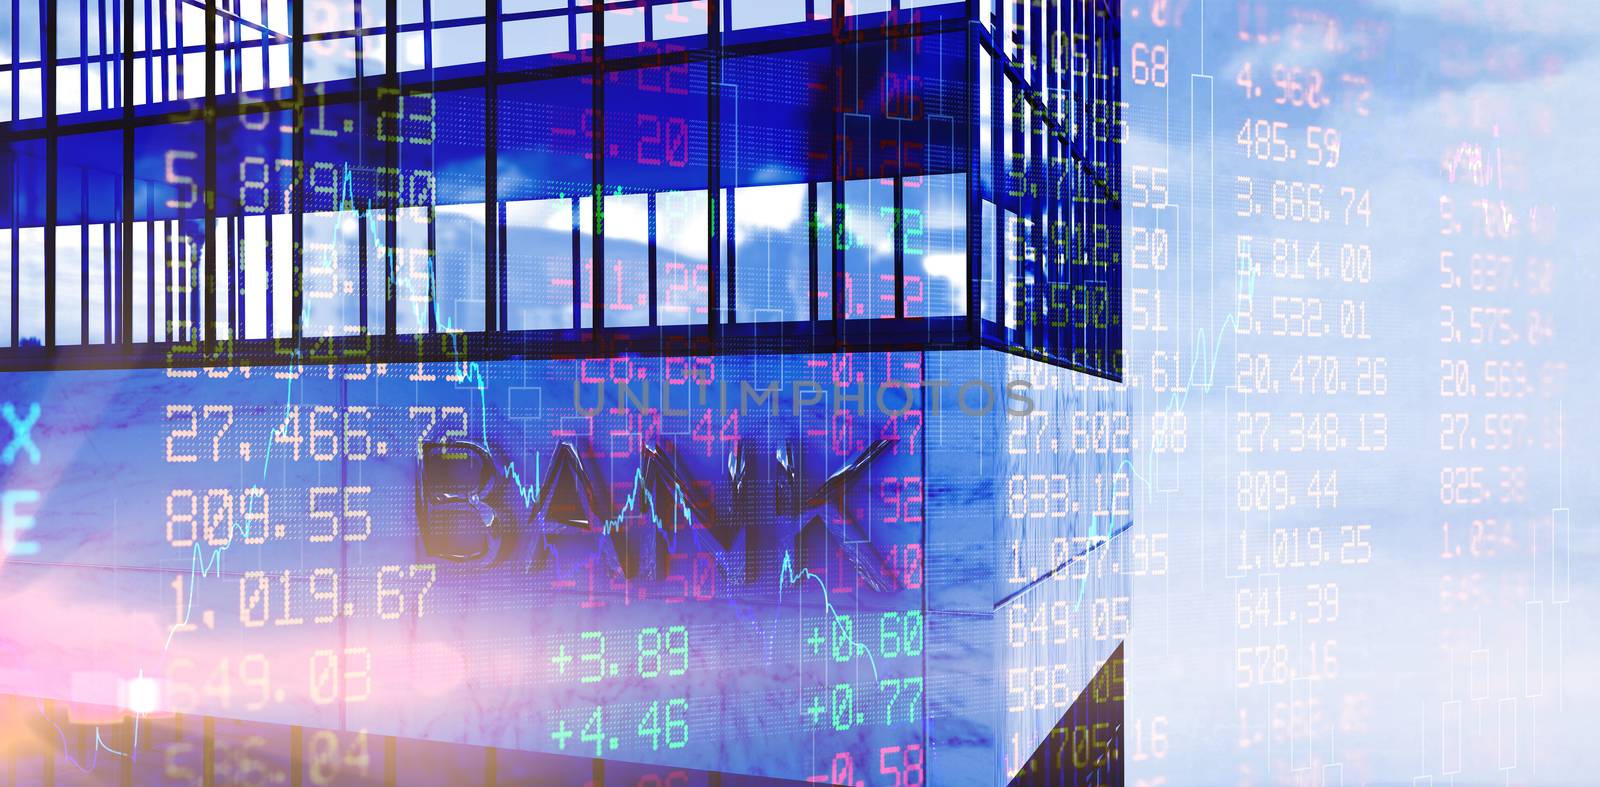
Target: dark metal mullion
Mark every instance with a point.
(83, 62)
(16, 251)
(150, 271)
(503, 265)
(811, 231)
(16, 226)
(234, 82)
(836, 223)
(210, 306)
(297, 54)
(899, 235)
(166, 67)
(730, 232)
(433, 266)
(391, 160)
(105, 84)
(597, 206)
(125, 333)
(652, 282)
(149, 59)
(108, 282)
(51, 155)
(363, 237)
(1041, 169)
(974, 235)
(997, 156)
(1039, 210)
(493, 319)
(177, 18)
(267, 255)
(1053, 335)
(168, 257)
(179, 281)
(433, 198)
(714, 170)
(83, 255)
(577, 264)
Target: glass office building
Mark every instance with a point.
(546, 242)
(652, 178)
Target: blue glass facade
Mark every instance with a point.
(746, 178)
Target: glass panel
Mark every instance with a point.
(773, 251)
(328, 16)
(456, 45)
(443, 163)
(627, 278)
(519, 6)
(281, 284)
(936, 245)
(30, 91)
(459, 265)
(989, 261)
(332, 268)
(545, 163)
(5, 287)
(161, 280)
(823, 216)
(1008, 268)
(625, 26)
(586, 262)
(413, 270)
(762, 13)
(140, 295)
(459, 9)
(30, 253)
(986, 139)
(534, 37)
(222, 236)
(868, 240)
(676, 20)
(374, 56)
(413, 48)
(539, 264)
(253, 253)
(69, 281)
(681, 253)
